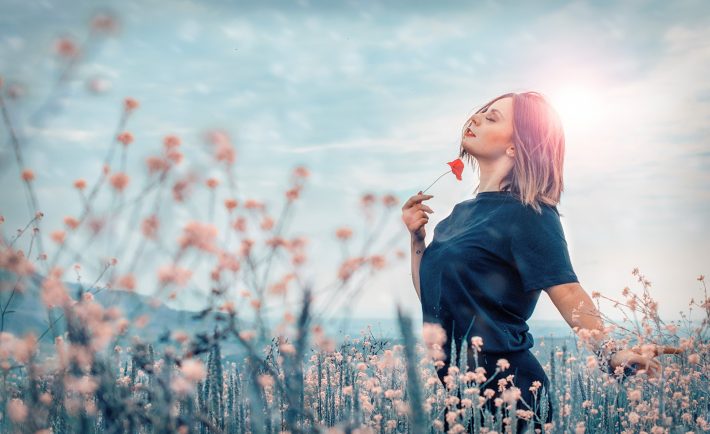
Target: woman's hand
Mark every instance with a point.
(414, 215)
(640, 363)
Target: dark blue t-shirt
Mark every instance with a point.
(485, 267)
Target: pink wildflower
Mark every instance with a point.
(434, 337)
(104, 22)
(199, 235)
(223, 149)
(279, 288)
(28, 175)
(511, 395)
(173, 274)
(367, 199)
(58, 236)
(378, 262)
(79, 184)
(15, 261)
(157, 164)
(193, 369)
(344, 233)
(247, 335)
(240, 224)
(24, 348)
(293, 193)
(174, 155)
(119, 181)
(127, 281)
(301, 172)
(230, 204)
(477, 342)
(17, 410)
(535, 386)
(228, 261)
(65, 47)
(390, 200)
(180, 188)
(130, 104)
(71, 222)
(125, 137)
(150, 226)
(246, 246)
(349, 267)
(212, 183)
(265, 380)
(171, 141)
(634, 417)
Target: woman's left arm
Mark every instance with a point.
(579, 311)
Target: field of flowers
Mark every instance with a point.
(101, 373)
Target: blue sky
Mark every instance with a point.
(371, 96)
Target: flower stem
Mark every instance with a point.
(435, 181)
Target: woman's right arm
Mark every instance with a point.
(414, 216)
(418, 247)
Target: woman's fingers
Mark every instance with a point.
(651, 366)
(646, 364)
(668, 350)
(659, 350)
(417, 198)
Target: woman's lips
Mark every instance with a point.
(469, 133)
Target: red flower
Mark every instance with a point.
(456, 167)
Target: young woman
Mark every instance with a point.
(489, 260)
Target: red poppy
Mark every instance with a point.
(456, 167)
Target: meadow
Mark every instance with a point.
(87, 363)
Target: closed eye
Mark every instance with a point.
(490, 119)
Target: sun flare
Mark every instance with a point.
(579, 106)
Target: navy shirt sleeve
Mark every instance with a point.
(539, 249)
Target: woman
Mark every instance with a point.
(489, 260)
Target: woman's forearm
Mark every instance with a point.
(418, 247)
(578, 309)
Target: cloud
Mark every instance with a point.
(189, 31)
(58, 136)
(103, 70)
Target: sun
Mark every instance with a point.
(579, 106)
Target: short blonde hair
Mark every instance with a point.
(539, 141)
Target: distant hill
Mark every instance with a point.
(30, 314)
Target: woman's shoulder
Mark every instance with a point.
(526, 215)
(538, 206)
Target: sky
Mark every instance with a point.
(370, 97)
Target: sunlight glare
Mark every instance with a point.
(579, 106)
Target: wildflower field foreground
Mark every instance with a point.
(183, 383)
(87, 344)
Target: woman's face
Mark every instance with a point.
(489, 134)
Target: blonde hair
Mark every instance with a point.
(539, 141)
